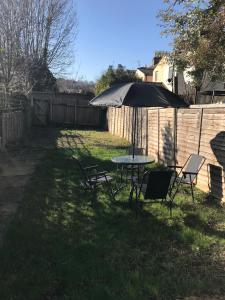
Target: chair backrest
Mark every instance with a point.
(83, 172)
(194, 164)
(158, 183)
(137, 151)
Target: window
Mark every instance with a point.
(156, 76)
(170, 75)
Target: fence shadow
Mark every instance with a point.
(216, 173)
(168, 148)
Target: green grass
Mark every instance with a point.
(67, 243)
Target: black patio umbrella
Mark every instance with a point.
(138, 94)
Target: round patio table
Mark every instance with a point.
(137, 160)
(130, 160)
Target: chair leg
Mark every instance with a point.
(121, 174)
(177, 188)
(94, 193)
(192, 193)
(136, 201)
(170, 207)
(170, 204)
(172, 185)
(110, 190)
(131, 194)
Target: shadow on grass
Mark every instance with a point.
(204, 226)
(62, 246)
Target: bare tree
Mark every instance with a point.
(9, 41)
(35, 34)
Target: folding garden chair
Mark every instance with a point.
(92, 177)
(155, 185)
(187, 173)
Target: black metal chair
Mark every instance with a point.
(187, 173)
(155, 185)
(92, 177)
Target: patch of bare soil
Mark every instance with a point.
(17, 164)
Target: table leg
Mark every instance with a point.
(132, 185)
(121, 184)
(131, 194)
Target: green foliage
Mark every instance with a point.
(198, 27)
(113, 76)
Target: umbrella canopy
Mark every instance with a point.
(138, 94)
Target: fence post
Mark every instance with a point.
(158, 133)
(146, 137)
(1, 140)
(175, 136)
(3, 131)
(200, 129)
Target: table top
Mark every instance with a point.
(130, 160)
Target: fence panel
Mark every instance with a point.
(68, 109)
(12, 127)
(188, 126)
(171, 135)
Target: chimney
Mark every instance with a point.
(156, 60)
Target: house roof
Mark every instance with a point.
(217, 87)
(148, 71)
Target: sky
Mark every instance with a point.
(112, 32)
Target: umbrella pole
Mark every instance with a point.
(134, 129)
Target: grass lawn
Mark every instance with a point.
(67, 243)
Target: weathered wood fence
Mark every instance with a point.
(18, 113)
(14, 118)
(172, 135)
(65, 109)
(12, 126)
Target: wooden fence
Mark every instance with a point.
(14, 118)
(12, 126)
(65, 109)
(18, 113)
(172, 135)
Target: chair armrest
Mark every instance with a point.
(91, 167)
(99, 174)
(102, 173)
(189, 173)
(175, 167)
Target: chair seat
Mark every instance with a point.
(185, 180)
(155, 187)
(101, 179)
